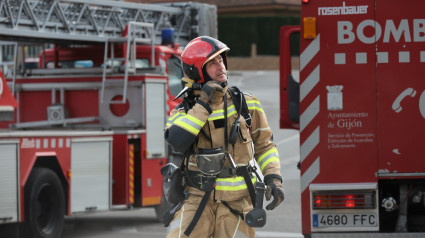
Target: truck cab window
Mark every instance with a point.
(175, 75)
(70, 64)
(140, 63)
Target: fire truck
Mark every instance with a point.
(83, 131)
(359, 106)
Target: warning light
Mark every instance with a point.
(318, 201)
(339, 200)
(349, 202)
(309, 27)
(305, 1)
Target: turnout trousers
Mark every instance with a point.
(216, 221)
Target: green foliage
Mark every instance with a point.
(239, 32)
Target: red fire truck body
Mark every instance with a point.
(83, 132)
(104, 154)
(167, 56)
(361, 116)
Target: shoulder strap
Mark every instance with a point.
(237, 97)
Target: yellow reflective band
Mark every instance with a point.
(254, 105)
(190, 123)
(274, 159)
(270, 156)
(219, 114)
(266, 154)
(196, 120)
(232, 184)
(179, 114)
(187, 127)
(216, 114)
(175, 117)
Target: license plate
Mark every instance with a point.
(345, 220)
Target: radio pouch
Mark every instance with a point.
(173, 183)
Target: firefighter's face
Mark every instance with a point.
(216, 69)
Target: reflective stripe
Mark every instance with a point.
(237, 233)
(172, 119)
(254, 105)
(219, 114)
(232, 184)
(310, 113)
(308, 54)
(190, 123)
(268, 157)
(260, 129)
(310, 174)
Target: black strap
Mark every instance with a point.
(198, 214)
(256, 174)
(236, 213)
(226, 137)
(240, 105)
(245, 173)
(240, 170)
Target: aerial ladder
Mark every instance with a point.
(92, 22)
(96, 21)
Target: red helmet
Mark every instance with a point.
(198, 52)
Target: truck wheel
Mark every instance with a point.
(44, 204)
(161, 209)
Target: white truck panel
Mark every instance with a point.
(155, 121)
(8, 183)
(91, 174)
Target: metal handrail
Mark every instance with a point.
(131, 41)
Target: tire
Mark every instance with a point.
(44, 204)
(161, 209)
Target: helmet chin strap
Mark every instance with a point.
(223, 84)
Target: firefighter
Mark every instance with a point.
(218, 155)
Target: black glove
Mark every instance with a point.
(275, 188)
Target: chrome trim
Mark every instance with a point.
(384, 175)
(343, 186)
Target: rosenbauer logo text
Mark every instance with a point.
(344, 10)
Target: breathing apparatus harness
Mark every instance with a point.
(211, 164)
